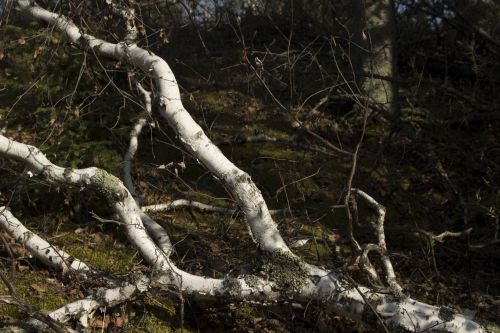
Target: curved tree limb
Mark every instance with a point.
(183, 203)
(290, 279)
(381, 247)
(239, 183)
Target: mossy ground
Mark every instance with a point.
(290, 175)
(40, 288)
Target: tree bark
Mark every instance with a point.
(373, 52)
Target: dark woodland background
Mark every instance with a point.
(288, 69)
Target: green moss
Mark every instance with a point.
(308, 186)
(278, 152)
(12, 29)
(104, 256)
(151, 323)
(489, 326)
(51, 298)
(315, 252)
(316, 230)
(246, 312)
(157, 317)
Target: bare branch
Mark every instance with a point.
(41, 249)
(381, 247)
(239, 183)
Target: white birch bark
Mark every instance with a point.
(104, 297)
(40, 248)
(183, 203)
(381, 247)
(108, 185)
(156, 231)
(303, 283)
(129, 156)
(239, 183)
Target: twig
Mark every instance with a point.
(441, 237)
(183, 203)
(354, 243)
(14, 299)
(381, 247)
(351, 280)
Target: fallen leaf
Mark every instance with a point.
(118, 321)
(18, 251)
(98, 237)
(98, 323)
(333, 237)
(38, 288)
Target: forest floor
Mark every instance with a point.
(295, 174)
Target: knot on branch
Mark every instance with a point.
(140, 281)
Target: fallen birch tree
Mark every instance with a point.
(279, 274)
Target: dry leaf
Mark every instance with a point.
(98, 323)
(118, 321)
(22, 268)
(38, 288)
(333, 237)
(18, 251)
(98, 237)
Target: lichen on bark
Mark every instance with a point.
(109, 186)
(232, 286)
(286, 270)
